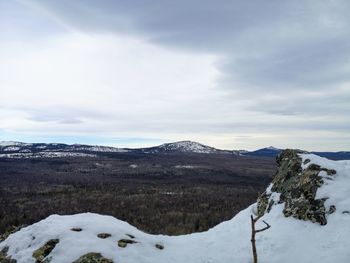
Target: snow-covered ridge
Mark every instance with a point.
(53, 150)
(183, 146)
(10, 149)
(36, 150)
(46, 155)
(288, 240)
(12, 143)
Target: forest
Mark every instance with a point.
(161, 194)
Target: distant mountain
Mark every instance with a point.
(334, 155)
(265, 152)
(11, 149)
(184, 147)
(274, 152)
(50, 150)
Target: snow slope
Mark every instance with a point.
(288, 240)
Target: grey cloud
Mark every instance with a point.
(269, 44)
(286, 49)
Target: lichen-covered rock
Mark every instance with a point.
(103, 235)
(76, 229)
(159, 246)
(10, 231)
(93, 258)
(41, 253)
(124, 242)
(297, 189)
(4, 258)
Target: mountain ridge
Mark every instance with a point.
(14, 149)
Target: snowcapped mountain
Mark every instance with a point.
(51, 150)
(47, 150)
(184, 147)
(10, 149)
(307, 206)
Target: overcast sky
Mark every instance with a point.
(234, 74)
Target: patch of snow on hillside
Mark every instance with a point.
(100, 149)
(185, 166)
(45, 155)
(11, 148)
(12, 143)
(272, 148)
(187, 146)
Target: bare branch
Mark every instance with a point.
(254, 231)
(263, 229)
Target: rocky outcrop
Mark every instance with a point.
(41, 253)
(3, 256)
(9, 231)
(93, 258)
(296, 188)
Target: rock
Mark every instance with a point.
(103, 235)
(41, 253)
(10, 231)
(332, 209)
(297, 189)
(92, 258)
(124, 242)
(159, 246)
(307, 161)
(4, 258)
(131, 236)
(76, 229)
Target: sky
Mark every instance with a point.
(233, 74)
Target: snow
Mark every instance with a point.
(340, 181)
(45, 155)
(187, 146)
(97, 148)
(52, 150)
(188, 166)
(272, 148)
(288, 240)
(11, 148)
(12, 143)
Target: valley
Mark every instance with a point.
(168, 193)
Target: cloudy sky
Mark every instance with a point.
(233, 74)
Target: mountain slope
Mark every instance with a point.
(47, 150)
(183, 147)
(265, 152)
(10, 149)
(288, 240)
